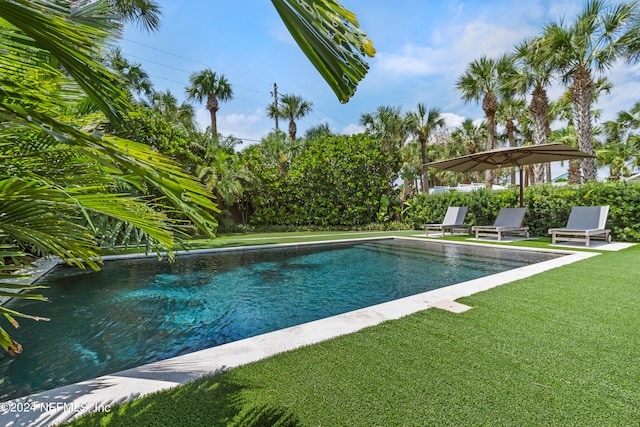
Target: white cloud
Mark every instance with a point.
(452, 120)
(412, 60)
(352, 129)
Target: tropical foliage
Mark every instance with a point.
(328, 181)
(61, 175)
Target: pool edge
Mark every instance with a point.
(67, 402)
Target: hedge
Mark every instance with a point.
(547, 206)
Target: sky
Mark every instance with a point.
(422, 49)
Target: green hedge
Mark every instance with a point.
(547, 206)
(332, 182)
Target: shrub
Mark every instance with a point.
(547, 206)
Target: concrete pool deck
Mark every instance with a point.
(99, 394)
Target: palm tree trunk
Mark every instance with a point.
(582, 97)
(425, 169)
(574, 172)
(539, 108)
(212, 106)
(293, 129)
(490, 106)
(512, 143)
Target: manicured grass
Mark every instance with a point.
(559, 348)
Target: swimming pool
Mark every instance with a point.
(138, 311)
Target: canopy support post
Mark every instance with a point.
(521, 188)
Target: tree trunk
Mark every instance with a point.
(512, 143)
(425, 169)
(539, 108)
(574, 172)
(212, 106)
(293, 129)
(582, 97)
(490, 106)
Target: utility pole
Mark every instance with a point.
(275, 104)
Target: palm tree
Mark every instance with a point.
(181, 115)
(209, 86)
(468, 138)
(145, 13)
(511, 109)
(387, 124)
(292, 108)
(600, 35)
(534, 73)
(425, 122)
(322, 130)
(483, 81)
(622, 143)
(137, 79)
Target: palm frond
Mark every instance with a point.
(330, 37)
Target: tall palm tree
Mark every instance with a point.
(209, 86)
(424, 122)
(292, 108)
(483, 81)
(602, 34)
(510, 110)
(534, 73)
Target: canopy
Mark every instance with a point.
(506, 157)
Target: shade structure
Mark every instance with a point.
(509, 157)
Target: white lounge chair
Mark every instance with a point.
(585, 223)
(453, 221)
(509, 221)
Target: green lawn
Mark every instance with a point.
(560, 348)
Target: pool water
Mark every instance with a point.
(134, 312)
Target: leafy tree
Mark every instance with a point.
(208, 85)
(329, 182)
(601, 34)
(182, 115)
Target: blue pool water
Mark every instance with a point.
(134, 312)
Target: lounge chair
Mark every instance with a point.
(585, 223)
(509, 221)
(453, 221)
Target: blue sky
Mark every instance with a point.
(422, 48)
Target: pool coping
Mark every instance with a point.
(99, 394)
